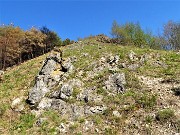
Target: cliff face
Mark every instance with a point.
(98, 87)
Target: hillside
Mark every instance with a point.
(107, 89)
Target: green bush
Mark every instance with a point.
(165, 115)
(133, 34)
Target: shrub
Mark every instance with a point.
(165, 115)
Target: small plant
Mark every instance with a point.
(81, 120)
(110, 131)
(73, 126)
(3, 108)
(147, 101)
(148, 119)
(101, 91)
(26, 122)
(75, 92)
(165, 115)
(97, 119)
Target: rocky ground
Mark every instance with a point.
(96, 87)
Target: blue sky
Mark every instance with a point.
(77, 18)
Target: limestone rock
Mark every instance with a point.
(132, 56)
(98, 109)
(116, 82)
(133, 66)
(45, 103)
(116, 113)
(49, 76)
(17, 104)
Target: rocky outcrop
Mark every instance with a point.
(116, 83)
(49, 76)
(52, 90)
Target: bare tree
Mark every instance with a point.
(172, 34)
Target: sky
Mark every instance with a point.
(80, 18)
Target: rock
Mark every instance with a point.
(51, 74)
(103, 38)
(144, 58)
(1, 75)
(116, 113)
(45, 103)
(88, 125)
(113, 59)
(63, 128)
(133, 67)
(1, 72)
(132, 56)
(17, 104)
(98, 109)
(85, 54)
(40, 121)
(159, 64)
(115, 83)
(66, 91)
(67, 88)
(67, 65)
(77, 111)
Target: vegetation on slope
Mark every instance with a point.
(137, 104)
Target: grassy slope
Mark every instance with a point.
(19, 79)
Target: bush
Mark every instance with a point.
(133, 34)
(165, 115)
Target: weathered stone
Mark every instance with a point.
(144, 58)
(98, 109)
(50, 75)
(77, 111)
(116, 113)
(40, 121)
(88, 125)
(132, 56)
(45, 103)
(113, 59)
(115, 83)
(1, 72)
(63, 128)
(17, 104)
(159, 64)
(67, 65)
(133, 67)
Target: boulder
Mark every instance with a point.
(115, 83)
(49, 76)
(17, 104)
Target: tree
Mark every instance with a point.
(10, 37)
(67, 41)
(51, 40)
(32, 44)
(171, 34)
(132, 34)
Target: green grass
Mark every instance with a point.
(18, 80)
(165, 115)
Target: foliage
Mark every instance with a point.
(164, 115)
(52, 38)
(133, 34)
(17, 45)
